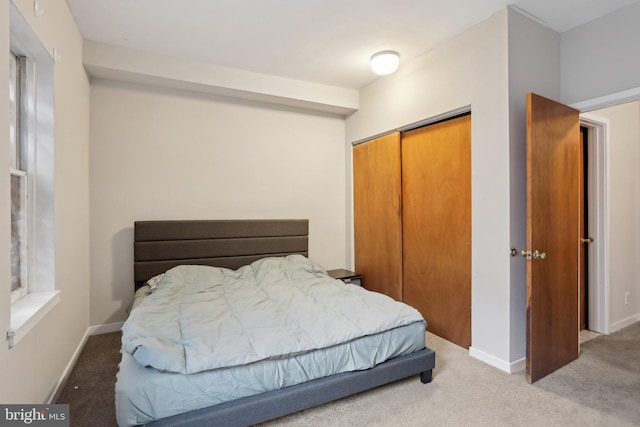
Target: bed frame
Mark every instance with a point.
(161, 245)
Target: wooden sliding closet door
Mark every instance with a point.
(377, 218)
(436, 197)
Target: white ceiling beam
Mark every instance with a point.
(122, 64)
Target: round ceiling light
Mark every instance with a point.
(385, 62)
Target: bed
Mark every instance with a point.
(264, 381)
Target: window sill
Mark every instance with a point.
(28, 311)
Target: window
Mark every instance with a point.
(31, 143)
(19, 177)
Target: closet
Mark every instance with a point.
(412, 222)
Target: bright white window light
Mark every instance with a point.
(386, 62)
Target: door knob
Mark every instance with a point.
(586, 240)
(535, 255)
(539, 255)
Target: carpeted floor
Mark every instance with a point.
(606, 377)
(89, 391)
(601, 388)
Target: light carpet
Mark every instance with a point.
(601, 388)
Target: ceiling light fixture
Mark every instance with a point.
(386, 62)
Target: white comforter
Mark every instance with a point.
(201, 318)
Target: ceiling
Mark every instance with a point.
(321, 41)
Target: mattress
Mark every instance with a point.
(146, 394)
(290, 341)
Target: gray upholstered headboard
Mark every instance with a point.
(161, 245)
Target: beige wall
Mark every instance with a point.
(5, 192)
(168, 154)
(623, 186)
(32, 369)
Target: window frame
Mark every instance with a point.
(38, 157)
(19, 141)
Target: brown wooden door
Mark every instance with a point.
(436, 197)
(376, 213)
(553, 229)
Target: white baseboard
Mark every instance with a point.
(521, 364)
(92, 330)
(616, 326)
(518, 366)
(105, 329)
(509, 367)
(67, 370)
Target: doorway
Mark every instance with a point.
(594, 308)
(586, 240)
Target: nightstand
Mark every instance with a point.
(346, 276)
